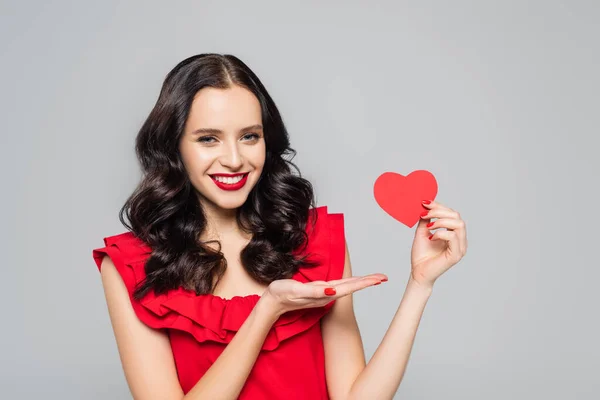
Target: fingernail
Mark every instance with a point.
(425, 213)
(429, 225)
(378, 283)
(329, 291)
(384, 280)
(430, 237)
(426, 201)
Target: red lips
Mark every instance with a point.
(229, 175)
(227, 186)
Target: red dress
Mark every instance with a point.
(291, 364)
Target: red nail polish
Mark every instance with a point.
(329, 291)
(429, 225)
(430, 237)
(384, 280)
(378, 283)
(426, 202)
(425, 213)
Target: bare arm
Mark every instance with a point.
(347, 375)
(383, 374)
(227, 376)
(147, 357)
(344, 353)
(145, 353)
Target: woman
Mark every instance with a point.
(229, 283)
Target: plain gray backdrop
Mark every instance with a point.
(498, 99)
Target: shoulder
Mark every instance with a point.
(125, 253)
(134, 326)
(122, 248)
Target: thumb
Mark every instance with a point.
(422, 230)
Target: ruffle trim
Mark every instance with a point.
(212, 318)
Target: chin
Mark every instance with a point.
(231, 205)
(222, 202)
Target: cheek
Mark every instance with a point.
(197, 162)
(257, 157)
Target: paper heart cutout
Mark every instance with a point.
(400, 196)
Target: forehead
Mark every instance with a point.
(225, 109)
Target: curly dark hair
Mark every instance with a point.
(164, 210)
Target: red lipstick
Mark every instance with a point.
(230, 186)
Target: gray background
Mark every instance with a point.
(498, 99)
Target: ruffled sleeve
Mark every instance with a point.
(211, 318)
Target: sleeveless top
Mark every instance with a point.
(291, 363)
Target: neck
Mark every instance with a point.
(220, 223)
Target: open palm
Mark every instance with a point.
(291, 294)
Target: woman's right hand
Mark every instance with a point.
(290, 294)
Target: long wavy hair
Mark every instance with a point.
(164, 210)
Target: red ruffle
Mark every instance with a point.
(212, 318)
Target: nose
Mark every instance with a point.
(232, 157)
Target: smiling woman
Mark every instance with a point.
(214, 119)
(213, 144)
(230, 283)
(217, 217)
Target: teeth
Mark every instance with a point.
(229, 181)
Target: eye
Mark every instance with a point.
(205, 139)
(253, 136)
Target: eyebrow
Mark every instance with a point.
(217, 131)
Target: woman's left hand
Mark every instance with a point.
(434, 254)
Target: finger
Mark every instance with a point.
(456, 225)
(334, 282)
(314, 289)
(440, 213)
(451, 238)
(307, 290)
(448, 223)
(346, 288)
(433, 205)
(422, 229)
(430, 204)
(377, 276)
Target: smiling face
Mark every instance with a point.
(223, 135)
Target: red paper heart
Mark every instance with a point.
(401, 196)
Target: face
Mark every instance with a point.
(223, 147)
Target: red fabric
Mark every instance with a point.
(291, 363)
